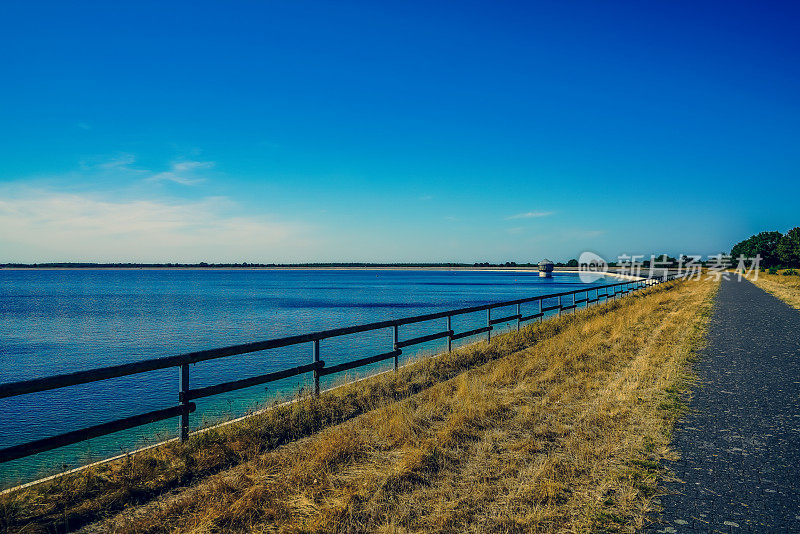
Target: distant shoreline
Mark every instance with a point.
(295, 268)
(102, 267)
(518, 269)
(326, 268)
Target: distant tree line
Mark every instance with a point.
(506, 264)
(206, 265)
(246, 265)
(776, 249)
(661, 260)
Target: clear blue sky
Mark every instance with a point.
(407, 131)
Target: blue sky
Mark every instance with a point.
(408, 131)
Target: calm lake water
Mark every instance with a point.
(62, 321)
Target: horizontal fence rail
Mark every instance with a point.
(317, 366)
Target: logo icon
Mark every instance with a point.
(591, 267)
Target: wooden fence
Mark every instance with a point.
(317, 366)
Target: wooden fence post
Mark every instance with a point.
(450, 336)
(183, 399)
(315, 354)
(394, 346)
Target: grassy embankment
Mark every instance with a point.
(786, 288)
(556, 428)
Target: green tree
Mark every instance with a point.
(764, 244)
(661, 260)
(572, 263)
(789, 248)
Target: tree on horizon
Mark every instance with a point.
(789, 248)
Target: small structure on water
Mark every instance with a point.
(546, 268)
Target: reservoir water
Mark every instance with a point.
(58, 321)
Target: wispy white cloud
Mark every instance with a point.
(123, 166)
(117, 161)
(83, 125)
(41, 225)
(529, 215)
(426, 198)
(583, 234)
(182, 172)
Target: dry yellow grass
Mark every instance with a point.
(557, 428)
(786, 288)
